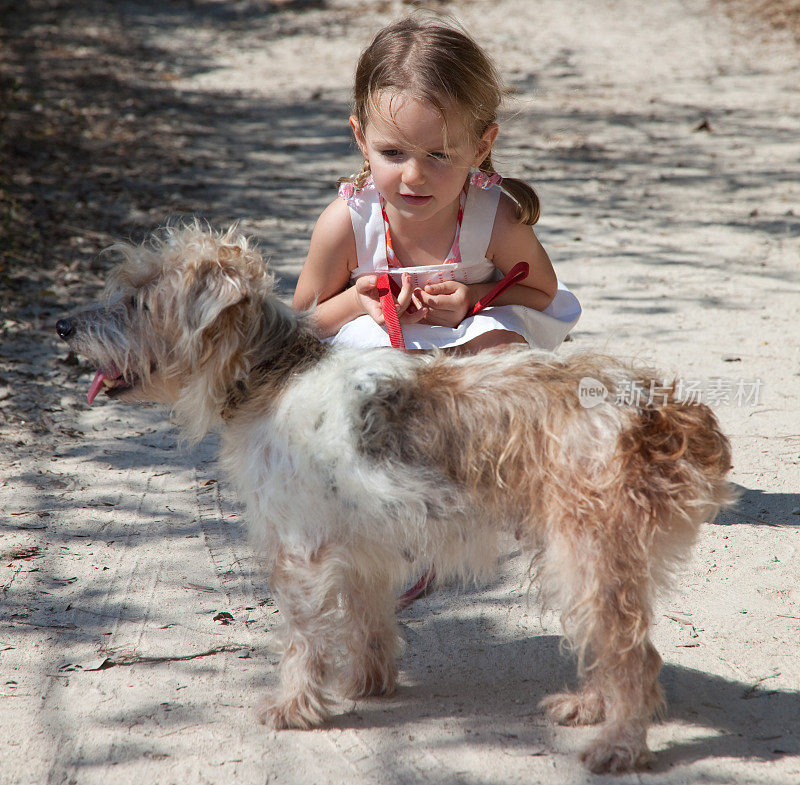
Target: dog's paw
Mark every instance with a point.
(370, 688)
(377, 681)
(607, 757)
(301, 712)
(574, 708)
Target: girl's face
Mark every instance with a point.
(414, 170)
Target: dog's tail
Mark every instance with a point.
(681, 430)
(681, 450)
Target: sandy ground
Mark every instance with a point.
(137, 630)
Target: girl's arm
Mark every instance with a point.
(514, 242)
(326, 272)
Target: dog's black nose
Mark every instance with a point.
(64, 328)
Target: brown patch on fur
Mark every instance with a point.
(678, 430)
(261, 387)
(675, 457)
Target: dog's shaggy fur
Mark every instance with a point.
(362, 469)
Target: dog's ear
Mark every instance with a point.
(210, 354)
(217, 287)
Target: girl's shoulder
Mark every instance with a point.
(335, 212)
(509, 235)
(506, 218)
(334, 228)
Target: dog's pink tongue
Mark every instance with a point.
(97, 383)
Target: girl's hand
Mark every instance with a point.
(447, 303)
(367, 293)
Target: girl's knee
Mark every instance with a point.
(494, 339)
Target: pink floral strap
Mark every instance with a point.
(352, 194)
(484, 180)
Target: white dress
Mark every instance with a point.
(541, 329)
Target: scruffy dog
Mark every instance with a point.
(361, 469)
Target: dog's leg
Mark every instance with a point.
(371, 635)
(631, 694)
(606, 617)
(584, 707)
(306, 589)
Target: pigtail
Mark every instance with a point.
(359, 179)
(528, 205)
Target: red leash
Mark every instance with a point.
(519, 272)
(388, 289)
(416, 591)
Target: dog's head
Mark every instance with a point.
(179, 317)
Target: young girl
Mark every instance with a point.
(428, 209)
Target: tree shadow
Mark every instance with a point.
(482, 685)
(97, 145)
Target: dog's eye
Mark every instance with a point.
(134, 304)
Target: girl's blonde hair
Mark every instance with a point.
(442, 66)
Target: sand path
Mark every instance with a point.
(665, 142)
